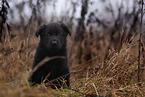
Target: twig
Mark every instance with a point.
(86, 95)
(67, 75)
(95, 88)
(46, 59)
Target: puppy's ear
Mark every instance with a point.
(65, 28)
(40, 29)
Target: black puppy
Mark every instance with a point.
(52, 44)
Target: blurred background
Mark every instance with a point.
(107, 40)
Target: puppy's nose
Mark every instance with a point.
(54, 42)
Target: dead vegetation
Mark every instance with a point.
(114, 76)
(103, 63)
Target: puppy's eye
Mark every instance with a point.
(59, 34)
(48, 34)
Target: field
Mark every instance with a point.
(101, 72)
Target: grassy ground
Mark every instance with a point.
(116, 76)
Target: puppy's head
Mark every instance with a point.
(53, 35)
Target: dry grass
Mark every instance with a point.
(116, 76)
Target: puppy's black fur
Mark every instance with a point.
(52, 43)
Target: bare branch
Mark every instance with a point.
(140, 43)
